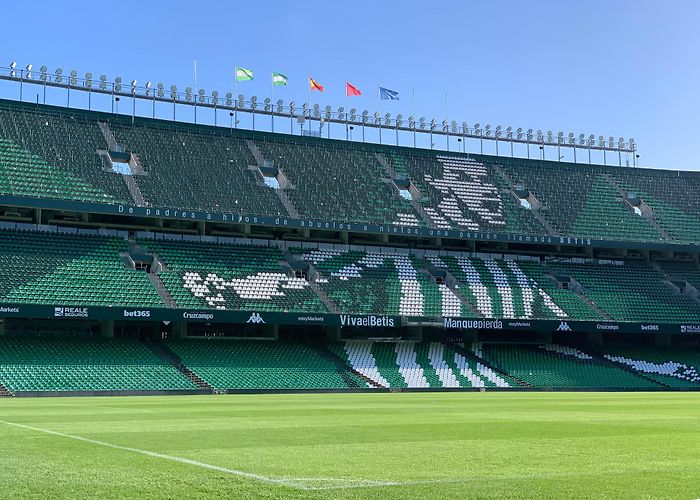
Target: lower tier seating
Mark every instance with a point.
(556, 366)
(416, 365)
(62, 363)
(261, 364)
(671, 366)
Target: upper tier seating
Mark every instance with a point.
(49, 155)
(673, 196)
(70, 269)
(631, 292)
(52, 152)
(63, 363)
(261, 364)
(232, 277)
(337, 181)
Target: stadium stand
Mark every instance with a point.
(556, 366)
(382, 283)
(60, 268)
(53, 153)
(630, 291)
(261, 364)
(51, 363)
(233, 277)
(416, 365)
(671, 366)
(512, 289)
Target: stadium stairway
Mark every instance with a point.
(4, 392)
(536, 212)
(343, 368)
(165, 354)
(284, 199)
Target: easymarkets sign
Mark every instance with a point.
(329, 225)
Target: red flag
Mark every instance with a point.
(351, 90)
(315, 85)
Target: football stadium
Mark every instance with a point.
(335, 303)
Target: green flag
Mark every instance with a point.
(243, 74)
(279, 79)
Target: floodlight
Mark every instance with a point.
(13, 64)
(161, 90)
(202, 97)
(188, 93)
(365, 116)
(28, 70)
(317, 111)
(453, 125)
(103, 82)
(498, 131)
(88, 80)
(58, 75)
(43, 73)
(581, 139)
(572, 139)
(540, 137)
(399, 120)
(253, 102)
(465, 127)
(215, 97)
(387, 118)
(305, 108)
(241, 100)
(292, 107)
(421, 122)
(611, 142)
(73, 80)
(487, 129)
(341, 113)
(353, 114)
(133, 86)
(173, 92)
(280, 105)
(432, 124)
(377, 119)
(118, 84)
(621, 143)
(328, 112)
(519, 132)
(229, 99)
(601, 141)
(267, 103)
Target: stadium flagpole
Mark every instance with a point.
(379, 111)
(195, 91)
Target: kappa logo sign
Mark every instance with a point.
(256, 319)
(70, 312)
(564, 327)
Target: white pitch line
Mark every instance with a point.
(235, 472)
(298, 483)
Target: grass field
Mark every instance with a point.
(449, 445)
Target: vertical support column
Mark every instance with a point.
(108, 328)
(180, 330)
(663, 339)
(2, 328)
(202, 227)
(37, 216)
(333, 333)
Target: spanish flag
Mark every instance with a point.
(314, 85)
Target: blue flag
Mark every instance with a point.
(388, 95)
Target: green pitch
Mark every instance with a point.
(456, 445)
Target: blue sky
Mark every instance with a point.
(622, 68)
